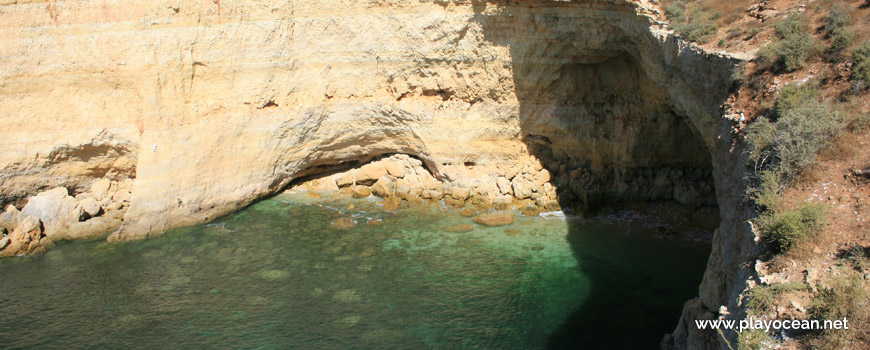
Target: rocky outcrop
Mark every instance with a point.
(54, 215)
(210, 107)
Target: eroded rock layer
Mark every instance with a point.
(209, 106)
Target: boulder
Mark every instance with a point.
(522, 189)
(90, 207)
(56, 209)
(343, 224)
(403, 188)
(495, 219)
(360, 192)
(344, 180)
(95, 227)
(531, 211)
(370, 173)
(460, 193)
(114, 206)
(392, 204)
(29, 230)
(100, 189)
(4, 242)
(432, 195)
(459, 228)
(395, 169)
(122, 196)
(504, 186)
(9, 218)
(468, 212)
(384, 187)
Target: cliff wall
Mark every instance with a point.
(211, 105)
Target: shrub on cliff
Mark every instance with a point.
(804, 125)
(843, 297)
(838, 31)
(861, 67)
(793, 47)
(782, 230)
(692, 21)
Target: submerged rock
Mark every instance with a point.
(495, 219)
(468, 212)
(459, 228)
(531, 211)
(343, 224)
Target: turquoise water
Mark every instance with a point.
(277, 275)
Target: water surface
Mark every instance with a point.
(277, 275)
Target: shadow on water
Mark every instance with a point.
(604, 131)
(631, 304)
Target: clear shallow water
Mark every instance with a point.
(277, 275)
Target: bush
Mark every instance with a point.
(860, 124)
(793, 95)
(676, 12)
(845, 297)
(841, 299)
(700, 26)
(783, 230)
(767, 195)
(804, 127)
(699, 29)
(861, 68)
(838, 31)
(837, 19)
(797, 44)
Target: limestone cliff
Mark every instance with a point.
(212, 105)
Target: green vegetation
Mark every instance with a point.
(763, 298)
(692, 21)
(779, 151)
(861, 68)
(845, 297)
(838, 31)
(860, 124)
(804, 126)
(755, 339)
(793, 47)
(783, 229)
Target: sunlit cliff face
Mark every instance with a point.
(211, 106)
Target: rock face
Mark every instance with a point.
(210, 106)
(494, 219)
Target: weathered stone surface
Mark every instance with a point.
(343, 223)
(531, 211)
(100, 189)
(395, 169)
(361, 192)
(468, 212)
(55, 209)
(344, 180)
(91, 207)
(9, 218)
(495, 219)
(94, 227)
(504, 186)
(384, 187)
(460, 193)
(370, 173)
(222, 123)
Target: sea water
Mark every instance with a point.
(278, 275)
